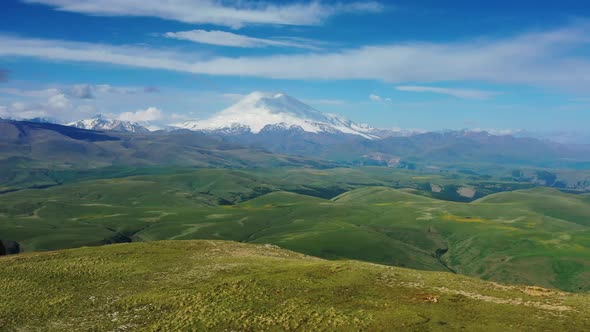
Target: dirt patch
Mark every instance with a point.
(540, 291)
(468, 192)
(514, 301)
(435, 188)
(218, 216)
(462, 219)
(510, 221)
(113, 215)
(428, 298)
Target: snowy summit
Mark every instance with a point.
(259, 110)
(101, 123)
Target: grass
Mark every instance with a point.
(215, 285)
(461, 219)
(532, 237)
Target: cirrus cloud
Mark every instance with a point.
(234, 14)
(549, 59)
(224, 38)
(459, 93)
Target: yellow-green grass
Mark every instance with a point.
(227, 286)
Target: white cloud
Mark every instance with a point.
(70, 102)
(78, 91)
(26, 100)
(20, 111)
(59, 102)
(82, 91)
(378, 99)
(375, 98)
(109, 89)
(498, 131)
(56, 107)
(542, 59)
(223, 38)
(147, 115)
(179, 117)
(43, 93)
(459, 93)
(234, 13)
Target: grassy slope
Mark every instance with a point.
(550, 202)
(198, 285)
(512, 242)
(18, 174)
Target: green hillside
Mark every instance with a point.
(532, 237)
(550, 202)
(213, 285)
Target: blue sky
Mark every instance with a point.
(412, 64)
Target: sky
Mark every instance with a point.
(431, 65)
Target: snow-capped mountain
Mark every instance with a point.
(276, 111)
(101, 123)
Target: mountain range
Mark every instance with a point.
(260, 114)
(255, 113)
(283, 124)
(277, 125)
(101, 123)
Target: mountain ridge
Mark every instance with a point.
(99, 122)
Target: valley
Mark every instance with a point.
(527, 236)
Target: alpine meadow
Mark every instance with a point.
(203, 165)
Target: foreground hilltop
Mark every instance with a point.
(216, 285)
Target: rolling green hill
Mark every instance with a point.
(552, 203)
(214, 285)
(533, 237)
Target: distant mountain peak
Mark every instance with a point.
(259, 110)
(99, 122)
